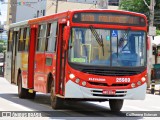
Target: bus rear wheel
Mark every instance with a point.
(115, 104)
(22, 92)
(56, 102)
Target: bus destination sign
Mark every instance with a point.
(109, 18)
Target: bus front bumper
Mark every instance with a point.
(73, 90)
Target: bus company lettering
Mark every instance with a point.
(97, 79)
(122, 79)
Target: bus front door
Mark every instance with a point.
(60, 61)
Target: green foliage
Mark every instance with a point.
(157, 32)
(3, 46)
(140, 7)
(134, 6)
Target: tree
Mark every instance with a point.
(2, 46)
(140, 7)
(134, 5)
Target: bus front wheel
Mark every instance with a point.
(115, 104)
(56, 102)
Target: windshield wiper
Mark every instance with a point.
(98, 39)
(102, 45)
(95, 34)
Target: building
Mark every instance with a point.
(110, 2)
(20, 10)
(64, 5)
(11, 16)
(30, 9)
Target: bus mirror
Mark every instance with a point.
(66, 35)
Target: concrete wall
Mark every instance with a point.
(29, 9)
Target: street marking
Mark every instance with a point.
(21, 107)
(155, 107)
(137, 108)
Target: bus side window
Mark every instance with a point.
(26, 38)
(21, 40)
(10, 41)
(41, 37)
(51, 36)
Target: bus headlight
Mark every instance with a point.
(139, 83)
(84, 83)
(143, 79)
(133, 85)
(77, 80)
(71, 76)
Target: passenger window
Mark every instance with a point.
(21, 40)
(26, 38)
(51, 37)
(41, 38)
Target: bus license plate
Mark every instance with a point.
(109, 92)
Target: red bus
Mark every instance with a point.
(90, 55)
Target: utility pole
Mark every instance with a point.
(152, 4)
(151, 10)
(56, 6)
(152, 33)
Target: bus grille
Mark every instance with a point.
(99, 93)
(105, 84)
(109, 72)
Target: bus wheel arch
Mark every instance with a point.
(49, 82)
(19, 73)
(22, 92)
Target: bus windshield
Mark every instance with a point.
(107, 47)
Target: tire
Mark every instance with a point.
(22, 93)
(56, 102)
(116, 104)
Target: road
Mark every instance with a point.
(9, 101)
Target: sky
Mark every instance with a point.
(3, 10)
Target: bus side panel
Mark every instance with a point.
(50, 66)
(50, 63)
(18, 62)
(39, 75)
(22, 63)
(8, 66)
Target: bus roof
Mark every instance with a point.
(18, 24)
(67, 13)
